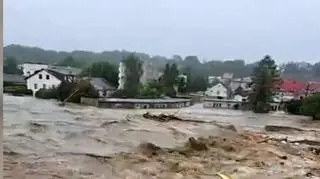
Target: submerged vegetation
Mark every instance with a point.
(309, 106)
(72, 91)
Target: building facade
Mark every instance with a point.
(218, 90)
(136, 103)
(47, 79)
(223, 104)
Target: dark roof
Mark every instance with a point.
(11, 78)
(58, 75)
(38, 63)
(240, 91)
(65, 70)
(101, 83)
(35, 72)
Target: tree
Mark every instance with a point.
(177, 58)
(182, 84)
(151, 90)
(311, 107)
(266, 83)
(169, 79)
(133, 72)
(196, 83)
(102, 70)
(69, 62)
(10, 66)
(83, 87)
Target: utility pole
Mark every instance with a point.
(307, 90)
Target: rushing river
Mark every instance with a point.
(44, 140)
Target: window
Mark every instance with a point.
(53, 86)
(35, 86)
(47, 77)
(218, 92)
(40, 76)
(44, 86)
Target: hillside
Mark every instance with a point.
(296, 70)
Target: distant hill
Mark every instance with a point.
(300, 71)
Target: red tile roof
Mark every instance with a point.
(292, 86)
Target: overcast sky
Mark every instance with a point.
(288, 30)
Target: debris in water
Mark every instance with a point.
(273, 128)
(223, 176)
(197, 145)
(167, 118)
(37, 127)
(149, 149)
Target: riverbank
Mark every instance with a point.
(74, 141)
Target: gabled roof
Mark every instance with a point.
(56, 74)
(292, 86)
(215, 82)
(35, 72)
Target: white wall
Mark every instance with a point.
(34, 83)
(121, 75)
(28, 68)
(217, 90)
(238, 97)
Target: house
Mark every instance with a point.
(13, 80)
(240, 94)
(29, 68)
(104, 88)
(218, 90)
(47, 78)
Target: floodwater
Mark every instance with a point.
(43, 140)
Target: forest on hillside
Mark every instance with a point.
(302, 71)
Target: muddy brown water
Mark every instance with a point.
(44, 140)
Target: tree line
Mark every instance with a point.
(295, 70)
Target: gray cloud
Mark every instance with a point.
(212, 29)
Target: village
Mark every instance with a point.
(225, 91)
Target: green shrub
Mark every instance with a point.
(46, 93)
(294, 107)
(17, 90)
(311, 107)
(261, 107)
(150, 92)
(83, 88)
